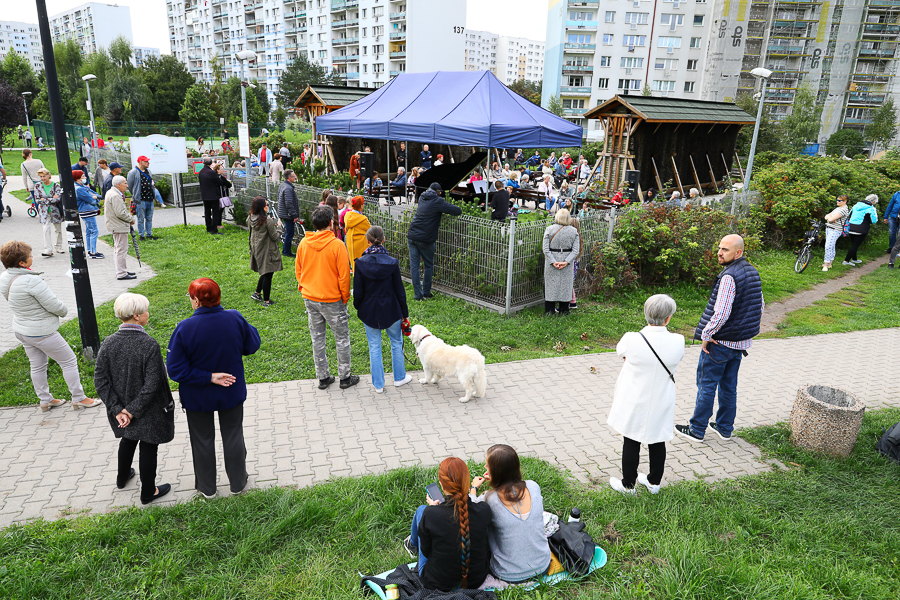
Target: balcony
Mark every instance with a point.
(881, 28)
(866, 98)
(299, 14)
(394, 73)
(784, 49)
(344, 41)
(779, 95)
(352, 75)
(577, 69)
(580, 47)
(871, 77)
(849, 121)
(398, 35)
(585, 3)
(575, 90)
(398, 16)
(220, 14)
(253, 5)
(884, 3)
(346, 59)
(338, 5)
(194, 57)
(397, 55)
(574, 112)
(582, 25)
(876, 52)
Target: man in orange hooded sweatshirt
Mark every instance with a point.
(323, 273)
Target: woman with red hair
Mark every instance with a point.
(451, 535)
(205, 357)
(356, 225)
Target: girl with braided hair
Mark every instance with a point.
(452, 536)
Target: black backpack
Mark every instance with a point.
(889, 444)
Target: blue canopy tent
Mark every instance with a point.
(459, 108)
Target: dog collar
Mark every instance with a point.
(423, 337)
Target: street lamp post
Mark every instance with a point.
(88, 78)
(25, 101)
(764, 74)
(243, 56)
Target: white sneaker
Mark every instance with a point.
(856, 262)
(403, 381)
(379, 390)
(849, 264)
(616, 484)
(642, 479)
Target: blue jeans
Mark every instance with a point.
(288, 236)
(375, 360)
(718, 369)
(893, 226)
(90, 233)
(414, 537)
(145, 218)
(424, 252)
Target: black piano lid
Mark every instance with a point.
(448, 175)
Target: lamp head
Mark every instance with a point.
(26, 93)
(89, 77)
(761, 73)
(245, 55)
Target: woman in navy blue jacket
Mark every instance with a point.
(205, 357)
(380, 302)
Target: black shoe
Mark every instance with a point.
(256, 296)
(349, 382)
(289, 255)
(324, 383)
(419, 298)
(888, 251)
(163, 490)
(217, 233)
(685, 431)
(890, 265)
(712, 424)
(129, 276)
(132, 273)
(268, 303)
(121, 484)
(142, 238)
(429, 295)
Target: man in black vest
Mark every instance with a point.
(727, 327)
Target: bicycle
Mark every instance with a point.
(299, 230)
(8, 209)
(811, 237)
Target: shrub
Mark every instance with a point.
(164, 185)
(612, 269)
(239, 213)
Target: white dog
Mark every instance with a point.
(440, 360)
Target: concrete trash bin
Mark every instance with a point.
(826, 419)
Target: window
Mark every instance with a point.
(665, 63)
(669, 42)
(637, 18)
(688, 86)
(378, 11)
(605, 60)
(378, 49)
(692, 64)
(572, 103)
(378, 30)
(663, 86)
(378, 68)
(574, 16)
(698, 19)
(632, 63)
(610, 17)
(364, 31)
(634, 40)
(629, 84)
(579, 38)
(671, 19)
(576, 81)
(695, 42)
(603, 83)
(607, 39)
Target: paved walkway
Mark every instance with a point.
(62, 462)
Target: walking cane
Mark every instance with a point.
(137, 252)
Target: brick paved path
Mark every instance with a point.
(61, 462)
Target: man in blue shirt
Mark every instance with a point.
(892, 219)
(81, 165)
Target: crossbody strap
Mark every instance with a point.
(672, 377)
(10, 286)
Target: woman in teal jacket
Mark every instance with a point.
(862, 217)
(88, 209)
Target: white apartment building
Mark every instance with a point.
(596, 50)
(141, 53)
(93, 25)
(367, 42)
(520, 58)
(481, 51)
(24, 39)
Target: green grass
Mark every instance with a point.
(824, 529)
(12, 161)
(184, 254)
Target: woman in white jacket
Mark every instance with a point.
(643, 408)
(36, 312)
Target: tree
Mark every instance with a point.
(231, 103)
(802, 125)
(68, 59)
(771, 135)
(121, 52)
(554, 105)
(300, 73)
(646, 91)
(530, 90)
(99, 64)
(218, 82)
(12, 111)
(884, 124)
(196, 108)
(16, 70)
(169, 80)
(262, 99)
(844, 142)
(279, 118)
(121, 87)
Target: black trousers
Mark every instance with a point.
(550, 307)
(264, 285)
(212, 215)
(202, 429)
(146, 465)
(631, 453)
(855, 242)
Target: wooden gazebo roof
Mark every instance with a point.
(653, 109)
(330, 97)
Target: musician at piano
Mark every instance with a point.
(499, 202)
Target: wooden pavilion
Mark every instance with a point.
(688, 142)
(322, 99)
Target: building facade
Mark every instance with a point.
(364, 41)
(520, 58)
(141, 53)
(481, 51)
(93, 25)
(596, 50)
(23, 39)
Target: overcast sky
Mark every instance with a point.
(520, 18)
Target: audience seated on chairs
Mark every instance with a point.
(513, 180)
(525, 183)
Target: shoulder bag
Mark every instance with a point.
(672, 377)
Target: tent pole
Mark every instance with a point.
(487, 193)
(388, 174)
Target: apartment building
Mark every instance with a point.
(141, 53)
(845, 53)
(481, 51)
(367, 42)
(596, 50)
(520, 58)
(93, 25)
(23, 39)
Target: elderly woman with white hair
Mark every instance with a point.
(118, 222)
(643, 408)
(561, 247)
(131, 379)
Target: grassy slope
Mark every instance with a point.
(824, 529)
(186, 254)
(12, 161)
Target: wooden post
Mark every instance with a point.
(658, 180)
(740, 168)
(712, 174)
(677, 176)
(725, 163)
(696, 177)
(331, 156)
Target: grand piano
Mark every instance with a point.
(449, 176)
